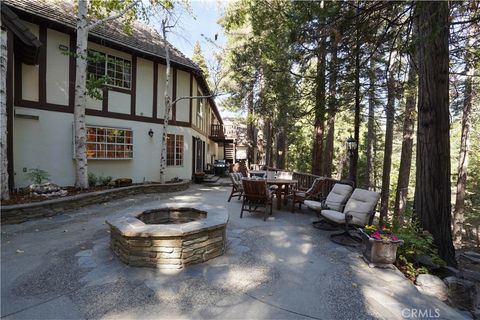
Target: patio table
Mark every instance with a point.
(280, 183)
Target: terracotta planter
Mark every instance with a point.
(379, 253)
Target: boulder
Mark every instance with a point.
(462, 293)
(122, 182)
(46, 190)
(432, 285)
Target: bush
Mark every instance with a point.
(104, 181)
(417, 242)
(92, 179)
(37, 176)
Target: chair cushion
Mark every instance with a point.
(338, 196)
(314, 205)
(361, 204)
(334, 216)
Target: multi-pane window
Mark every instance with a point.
(109, 143)
(174, 150)
(117, 71)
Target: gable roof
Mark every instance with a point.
(143, 39)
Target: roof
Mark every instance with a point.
(143, 39)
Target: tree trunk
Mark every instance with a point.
(250, 125)
(371, 125)
(332, 109)
(319, 126)
(356, 125)
(5, 194)
(458, 217)
(81, 166)
(432, 189)
(281, 149)
(268, 146)
(168, 106)
(387, 154)
(407, 146)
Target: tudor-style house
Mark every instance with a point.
(124, 126)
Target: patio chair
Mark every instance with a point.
(237, 187)
(358, 211)
(256, 194)
(318, 192)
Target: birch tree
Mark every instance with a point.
(89, 16)
(5, 195)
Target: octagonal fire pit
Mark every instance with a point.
(169, 237)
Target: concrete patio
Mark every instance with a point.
(62, 268)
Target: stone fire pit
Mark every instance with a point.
(169, 237)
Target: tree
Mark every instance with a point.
(5, 194)
(459, 212)
(199, 59)
(407, 146)
(89, 16)
(432, 188)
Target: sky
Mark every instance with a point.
(201, 25)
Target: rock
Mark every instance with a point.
(462, 293)
(427, 262)
(122, 182)
(472, 258)
(472, 254)
(432, 285)
(46, 190)
(447, 271)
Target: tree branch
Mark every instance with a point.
(113, 17)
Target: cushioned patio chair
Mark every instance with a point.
(336, 200)
(358, 211)
(256, 194)
(318, 192)
(237, 187)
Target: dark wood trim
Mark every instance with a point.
(133, 96)
(155, 89)
(42, 65)
(174, 96)
(72, 70)
(191, 100)
(117, 89)
(105, 100)
(18, 81)
(9, 103)
(43, 106)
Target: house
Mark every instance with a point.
(124, 127)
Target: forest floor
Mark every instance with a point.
(62, 267)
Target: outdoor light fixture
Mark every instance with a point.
(150, 133)
(351, 144)
(280, 152)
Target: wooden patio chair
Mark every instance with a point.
(237, 187)
(319, 191)
(256, 194)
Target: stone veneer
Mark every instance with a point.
(169, 246)
(23, 212)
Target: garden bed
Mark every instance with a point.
(17, 213)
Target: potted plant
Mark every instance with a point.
(198, 176)
(379, 246)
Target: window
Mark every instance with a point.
(109, 143)
(117, 71)
(200, 112)
(174, 150)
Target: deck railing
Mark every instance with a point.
(216, 130)
(305, 180)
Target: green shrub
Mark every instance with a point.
(417, 242)
(92, 179)
(104, 181)
(37, 176)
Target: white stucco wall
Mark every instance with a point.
(47, 144)
(144, 97)
(183, 90)
(57, 68)
(119, 102)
